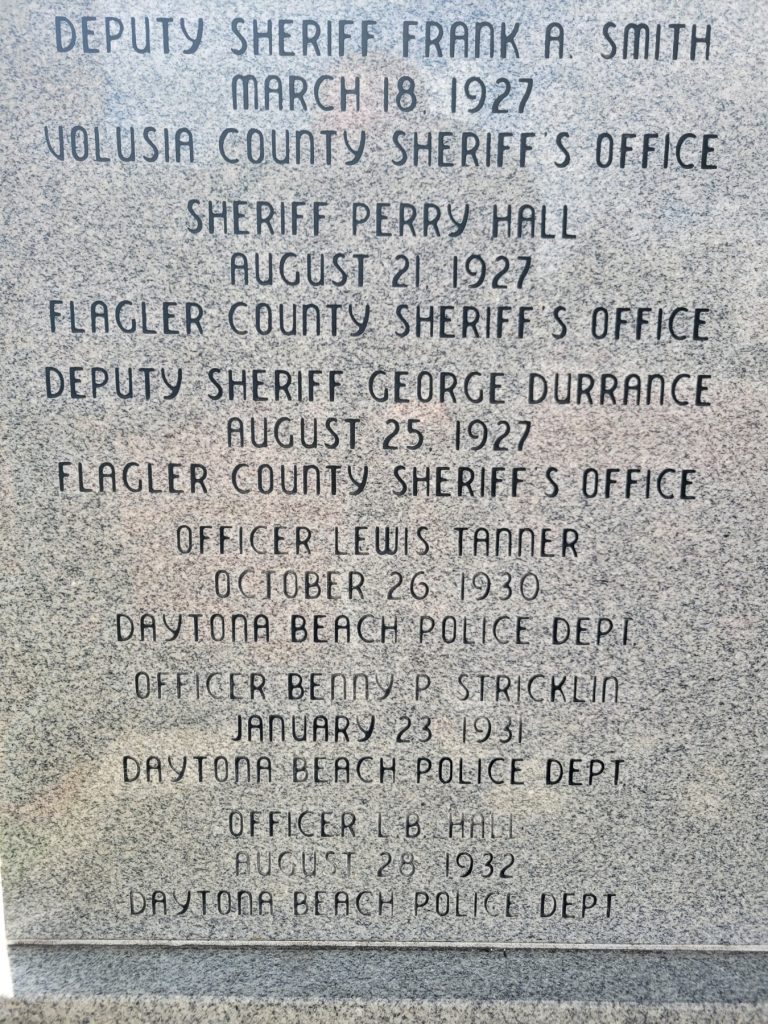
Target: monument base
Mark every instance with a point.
(135, 984)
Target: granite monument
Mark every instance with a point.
(385, 415)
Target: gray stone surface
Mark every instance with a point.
(368, 975)
(179, 1011)
(671, 838)
(388, 985)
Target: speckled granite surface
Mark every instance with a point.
(177, 1011)
(668, 847)
(527, 976)
(430, 986)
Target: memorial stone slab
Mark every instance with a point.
(385, 416)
